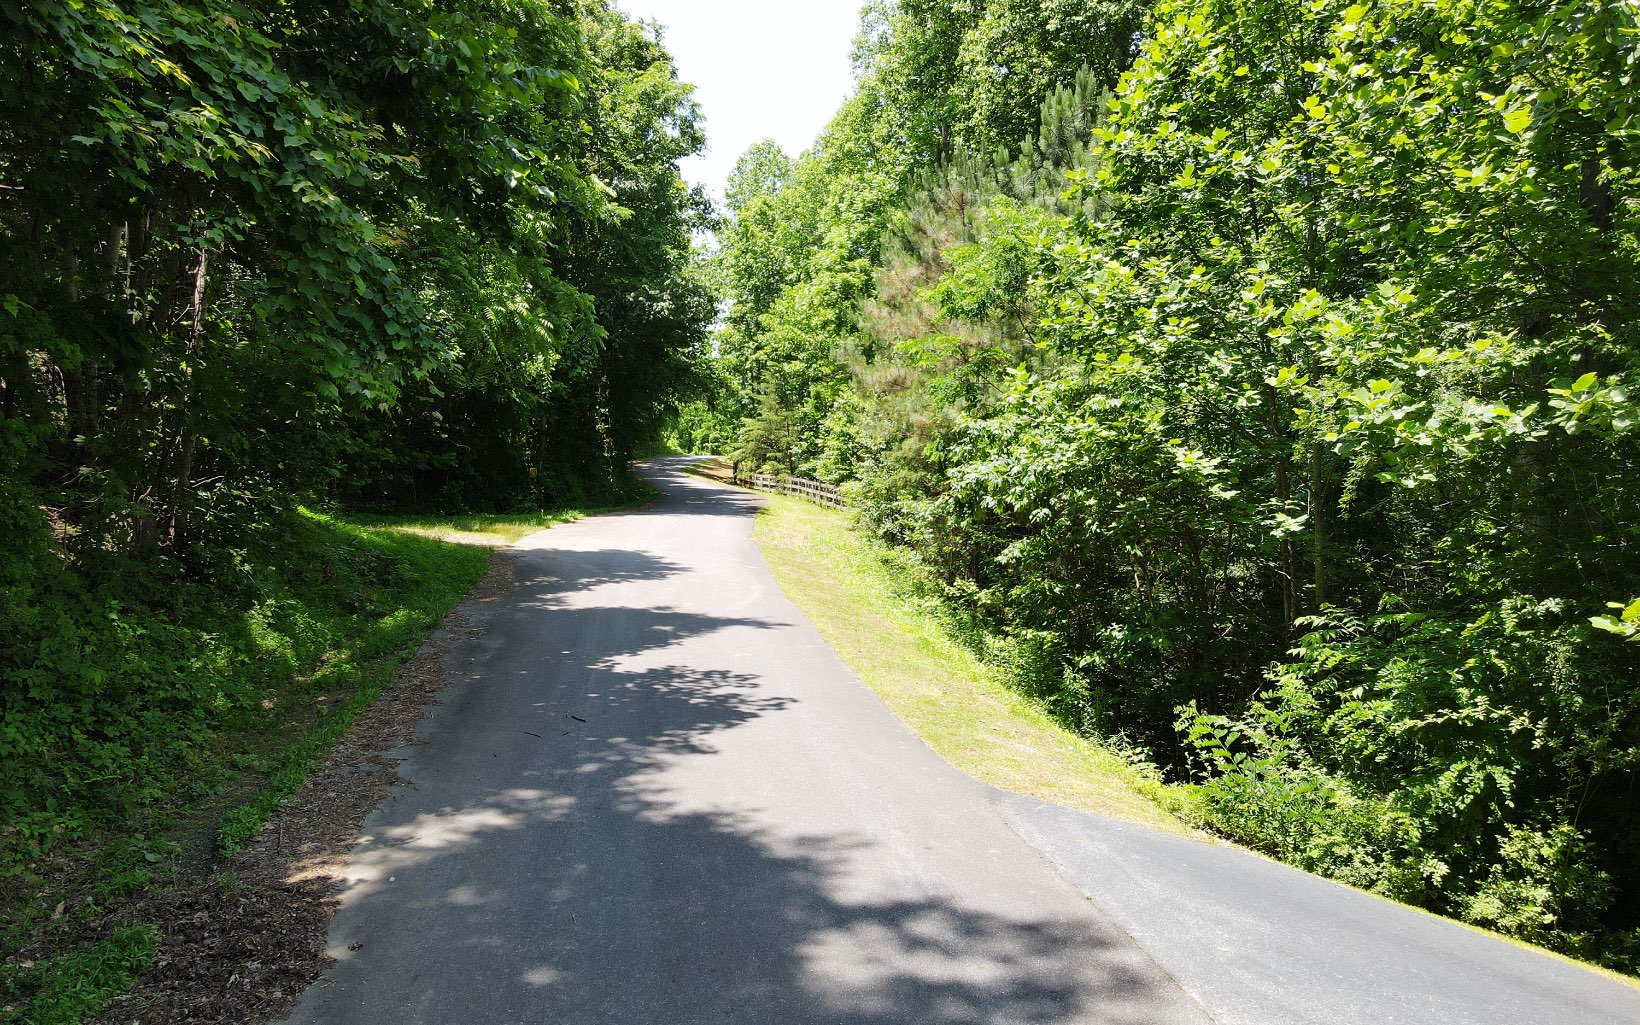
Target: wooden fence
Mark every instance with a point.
(813, 490)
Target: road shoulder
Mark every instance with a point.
(943, 692)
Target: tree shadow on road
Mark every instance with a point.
(570, 572)
(697, 496)
(569, 879)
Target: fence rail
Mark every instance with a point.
(813, 490)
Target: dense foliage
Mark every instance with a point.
(1261, 393)
(261, 253)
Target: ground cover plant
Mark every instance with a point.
(177, 780)
(169, 731)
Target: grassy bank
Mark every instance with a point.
(852, 592)
(861, 598)
(146, 739)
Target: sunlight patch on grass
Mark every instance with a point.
(484, 530)
(940, 689)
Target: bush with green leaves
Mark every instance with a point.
(1274, 416)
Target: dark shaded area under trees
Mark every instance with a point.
(253, 256)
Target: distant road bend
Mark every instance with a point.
(653, 796)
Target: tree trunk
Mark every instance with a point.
(1318, 528)
(1289, 551)
(188, 440)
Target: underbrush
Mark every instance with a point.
(1480, 767)
(1425, 757)
(147, 722)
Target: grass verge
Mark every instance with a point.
(483, 530)
(852, 590)
(428, 575)
(74, 986)
(849, 589)
(235, 693)
(370, 668)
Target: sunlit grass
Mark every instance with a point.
(850, 591)
(484, 530)
(941, 690)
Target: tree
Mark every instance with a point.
(1268, 416)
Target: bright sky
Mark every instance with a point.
(762, 69)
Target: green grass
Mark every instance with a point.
(76, 985)
(852, 592)
(483, 530)
(430, 576)
(492, 530)
(233, 693)
(856, 594)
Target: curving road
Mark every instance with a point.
(654, 795)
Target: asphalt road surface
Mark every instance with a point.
(654, 795)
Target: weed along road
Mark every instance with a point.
(653, 795)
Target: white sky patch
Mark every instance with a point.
(762, 69)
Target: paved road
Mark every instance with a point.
(654, 795)
(1259, 943)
